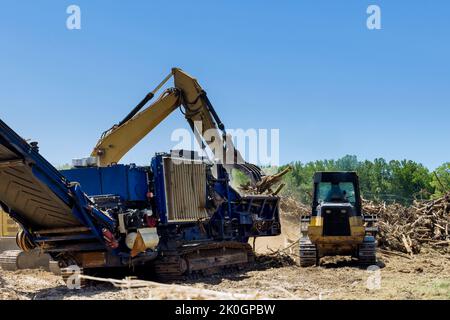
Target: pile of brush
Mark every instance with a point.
(401, 228)
(275, 259)
(290, 206)
(408, 229)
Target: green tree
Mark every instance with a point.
(440, 180)
(410, 180)
(374, 179)
(65, 166)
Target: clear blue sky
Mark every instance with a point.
(310, 68)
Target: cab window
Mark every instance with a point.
(336, 192)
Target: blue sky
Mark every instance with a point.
(310, 68)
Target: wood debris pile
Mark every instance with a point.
(402, 229)
(266, 185)
(408, 229)
(291, 206)
(276, 259)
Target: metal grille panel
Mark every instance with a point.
(335, 223)
(185, 183)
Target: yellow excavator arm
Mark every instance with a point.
(199, 113)
(116, 142)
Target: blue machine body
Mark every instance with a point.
(159, 187)
(126, 181)
(93, 209)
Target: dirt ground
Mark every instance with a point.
(424, 276)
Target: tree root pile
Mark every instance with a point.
(276, 259)
(292, 209)
(408, 229)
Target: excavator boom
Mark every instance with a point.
(116, 142)
(199, 113)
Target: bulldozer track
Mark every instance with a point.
(202, 260)
(367, 253)
(308, 254)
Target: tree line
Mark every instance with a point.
(380, 180)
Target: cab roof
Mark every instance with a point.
(335, 176)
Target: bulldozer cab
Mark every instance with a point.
(336, 188)
(336, 225)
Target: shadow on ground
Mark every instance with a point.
(345, 262)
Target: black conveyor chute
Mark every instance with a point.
(31, 189)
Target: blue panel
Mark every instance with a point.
(128, 182)
(137, 184)
(88, 178)
(114, 181)
(160, 193)
(245, 219)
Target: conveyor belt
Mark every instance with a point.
(30, 187)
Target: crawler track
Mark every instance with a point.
(308, 253)
(367, 253)
(9, 259)
(202, 259)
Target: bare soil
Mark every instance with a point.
(423, 276)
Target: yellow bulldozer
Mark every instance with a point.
(337, 225)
